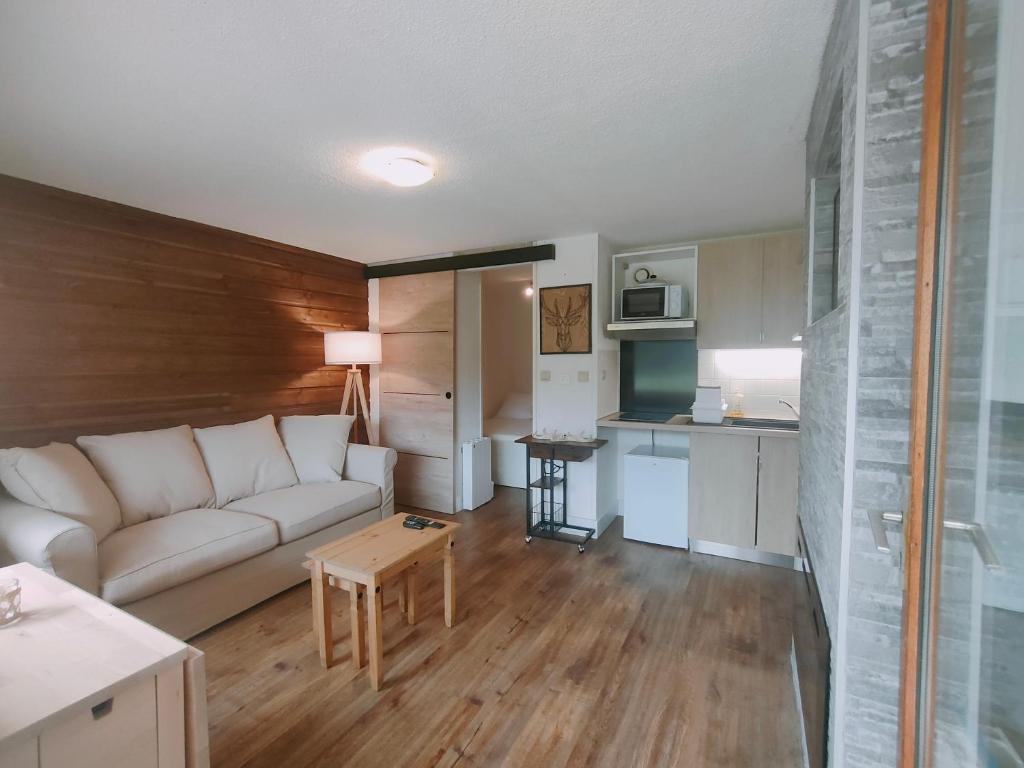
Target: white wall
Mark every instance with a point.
(468, 394)
(506, 317)
(570, 396)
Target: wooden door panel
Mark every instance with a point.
(777, 495)
(425, 482)
(784, 303)
(417, 303)
(729, 293)
(419, 424)
(417, 363)
(723, 488)
(417, 314)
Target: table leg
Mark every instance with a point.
(375, 614)
(403, 594)
(357, 604)
(322, 613)
(449, 583)
(410, 594)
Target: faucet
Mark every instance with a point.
(791, 407)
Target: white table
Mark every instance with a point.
(83, 683)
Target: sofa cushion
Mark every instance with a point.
(316, 445)
(245, 459)
(305, 509)
(59, 478)
(147, 558)
(152, 474)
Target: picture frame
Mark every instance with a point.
(566, 326)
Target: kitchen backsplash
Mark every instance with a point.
(761, 376)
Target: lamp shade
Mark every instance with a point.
(351, 348)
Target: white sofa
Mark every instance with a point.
(185, 528)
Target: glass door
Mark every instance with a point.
(970, 654)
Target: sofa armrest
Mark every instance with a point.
(373, 464)
(64, 547)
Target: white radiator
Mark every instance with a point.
(477, 488)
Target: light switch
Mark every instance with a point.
(582, 376)
(545, 375)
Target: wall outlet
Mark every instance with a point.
(545, 375)
(583, 376)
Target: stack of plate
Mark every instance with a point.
(708, 407)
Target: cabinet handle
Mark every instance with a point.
(102, 709)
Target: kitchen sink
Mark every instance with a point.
(792, 424)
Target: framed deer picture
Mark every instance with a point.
(565, 320)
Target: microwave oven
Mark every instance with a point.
(652, 302)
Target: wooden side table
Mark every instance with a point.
(360, 564)
(548, 518)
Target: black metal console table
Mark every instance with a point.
(547, 519)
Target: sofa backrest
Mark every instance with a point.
(245, 459)
(59, 478)
(317, 445)
(152, 474)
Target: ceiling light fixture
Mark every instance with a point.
(398, 166)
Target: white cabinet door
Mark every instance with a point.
(723, 488)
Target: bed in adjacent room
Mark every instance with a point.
(513, 420)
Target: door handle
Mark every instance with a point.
(976, 531)
(878, 519)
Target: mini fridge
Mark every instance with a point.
(477, 488)
(655, 495)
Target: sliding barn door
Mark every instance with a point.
(417, 316)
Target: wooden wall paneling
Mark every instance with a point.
(116, 319)
(417, 320)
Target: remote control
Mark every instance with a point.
(409, 523)
(425, 521)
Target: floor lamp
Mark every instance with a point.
(354, 348)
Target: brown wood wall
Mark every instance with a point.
(115, 319)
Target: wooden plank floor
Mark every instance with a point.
(627, 655)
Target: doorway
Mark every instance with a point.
(506, 368)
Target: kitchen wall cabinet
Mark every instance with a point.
(743, 491)
(729, 293)
(723, 489)
(750, 292)
(783, 302)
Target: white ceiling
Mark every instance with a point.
(648, 121)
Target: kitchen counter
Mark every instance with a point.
(682, 423)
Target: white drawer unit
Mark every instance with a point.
(94, 687)
(655, 498)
